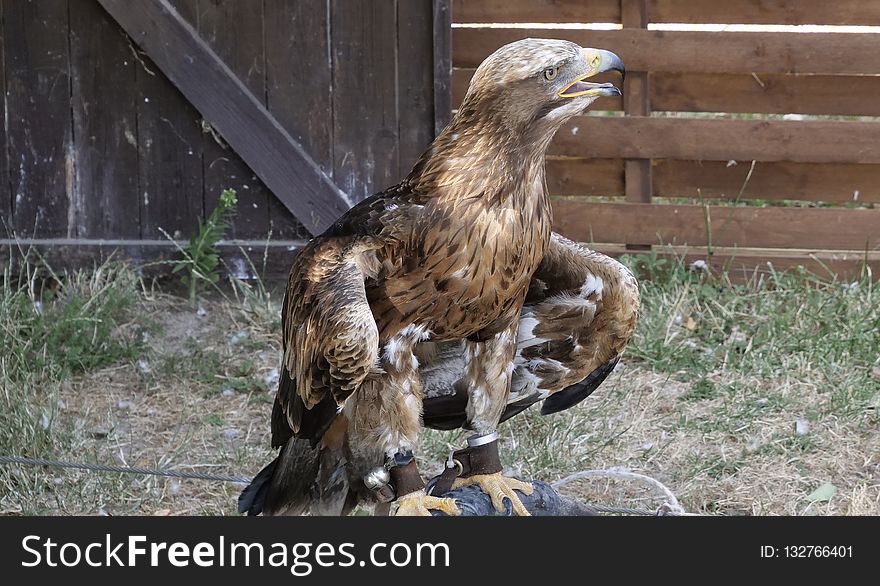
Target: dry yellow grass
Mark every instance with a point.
(724, 437)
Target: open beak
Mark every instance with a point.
(597, 61)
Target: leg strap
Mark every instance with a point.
(405, 478)
(479, 458)
(398, 477)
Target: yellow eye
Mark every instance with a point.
(551, 73)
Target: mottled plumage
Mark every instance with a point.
(453, 270)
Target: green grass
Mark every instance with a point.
(713, 382)
(774, 326)
(50, 334)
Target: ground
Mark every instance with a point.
(759, 396)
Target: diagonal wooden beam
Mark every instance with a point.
(225, 102)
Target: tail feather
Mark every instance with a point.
(302, 478)
(253, 498)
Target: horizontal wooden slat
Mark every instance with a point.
(233, 110)
(770, 93)
(155, 258)
(841, 12)
(585, 176)
(535, 11)
(688, 51)
(845, 229)
(831, 183)
(150, 257)
(719, 140)
(743, 264)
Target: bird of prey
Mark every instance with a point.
(447, 301)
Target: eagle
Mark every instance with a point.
(446, 301)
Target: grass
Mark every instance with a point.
(742, 397)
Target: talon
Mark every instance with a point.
(498, 488)
(418, 504)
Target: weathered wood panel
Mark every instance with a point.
(842, 12)
(720, 140)
(836, 95)
(769, 93)
(234, 111)
(105, 125)
(571, 176)
(365, 137)
(442, 50)
(415, 81)
(298, 86)
(687, 51)
(246, 259)
(486, 11)
(637, 102)
(169, 149)
(5, 194)
(825, 182)
(39, 139)
(272, 260)
(633, 223)
(234, 30)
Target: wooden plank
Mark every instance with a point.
(442, 35)
(170, 174)
(245, 259)
(638, 181)
(585, 176)
(364, 57)
(234, 31)
(169, 156)
(830, 183)
(690, 51)
(720, 140)
(297, 46)
(415, 80)
(779, 227)
(469, 11)
(39, 140)
(840, 12)
(769, 93)
(155, 257)
(232, 110)
(105, 125)
(5, 193)
(743, 264)
(843, 12)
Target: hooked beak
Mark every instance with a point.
(597, 61)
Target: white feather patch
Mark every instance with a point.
(592, 284)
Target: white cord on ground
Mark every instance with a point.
(671, 503)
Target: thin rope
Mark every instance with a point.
(671, 506)
(661, 512)
(124, 469)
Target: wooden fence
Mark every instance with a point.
(125, 119)
(127, 116)
(613, 176)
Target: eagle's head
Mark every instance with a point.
(535, 85)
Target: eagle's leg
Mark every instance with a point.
(385, 418)
(489, 372)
